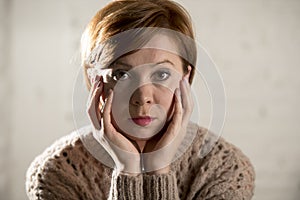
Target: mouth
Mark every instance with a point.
(142, 120)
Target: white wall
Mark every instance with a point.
(256, 45)
(5, 98)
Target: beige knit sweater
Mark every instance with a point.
(68, 171)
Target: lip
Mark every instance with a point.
(142, 120)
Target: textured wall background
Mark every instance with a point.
(5, 97)
(256, 45)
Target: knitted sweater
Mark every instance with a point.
(68, 171)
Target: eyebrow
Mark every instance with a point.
(130, 66)
(122, 63)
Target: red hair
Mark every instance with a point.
(122, 15)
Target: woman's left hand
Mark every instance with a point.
(158, 157)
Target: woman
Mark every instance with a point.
(139, 59)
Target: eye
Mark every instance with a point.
(120, 75)
(161, 75)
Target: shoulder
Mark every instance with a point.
(221, 168)
(215, 149)
(61, 170)
(232, 170)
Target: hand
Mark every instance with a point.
(162, 153)
(122, 151)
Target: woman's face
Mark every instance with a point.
(144, 83)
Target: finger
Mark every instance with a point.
(95, 96)
(96, 87)
(95, 83)
(173, 129)
(96, 99)
(93, 118)
(93, 107)
(184, 93)
(187, 100)
(109, 130)
(187, 76)
(93, 111)
(189, 92)
(177, 115)
(178, 107)
(107, 113)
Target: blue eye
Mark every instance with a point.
(161, 75)
(120, 75)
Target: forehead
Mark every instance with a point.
(159, 48)
(147, 56)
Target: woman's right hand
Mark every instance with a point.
(122, 151)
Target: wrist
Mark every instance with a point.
(129, 173)
(164, 170)
(131, 164)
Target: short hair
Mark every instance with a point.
(123, 15)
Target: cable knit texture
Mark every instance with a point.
(67, 171)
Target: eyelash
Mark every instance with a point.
(159, 73)
(156, 76)
(117, 73)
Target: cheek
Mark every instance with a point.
(165, 99)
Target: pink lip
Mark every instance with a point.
(142, 121)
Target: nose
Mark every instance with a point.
(141, 96)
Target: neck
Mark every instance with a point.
(141, 144)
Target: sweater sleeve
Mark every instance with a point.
(162, 186)
(144, 186)
(126, 187)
